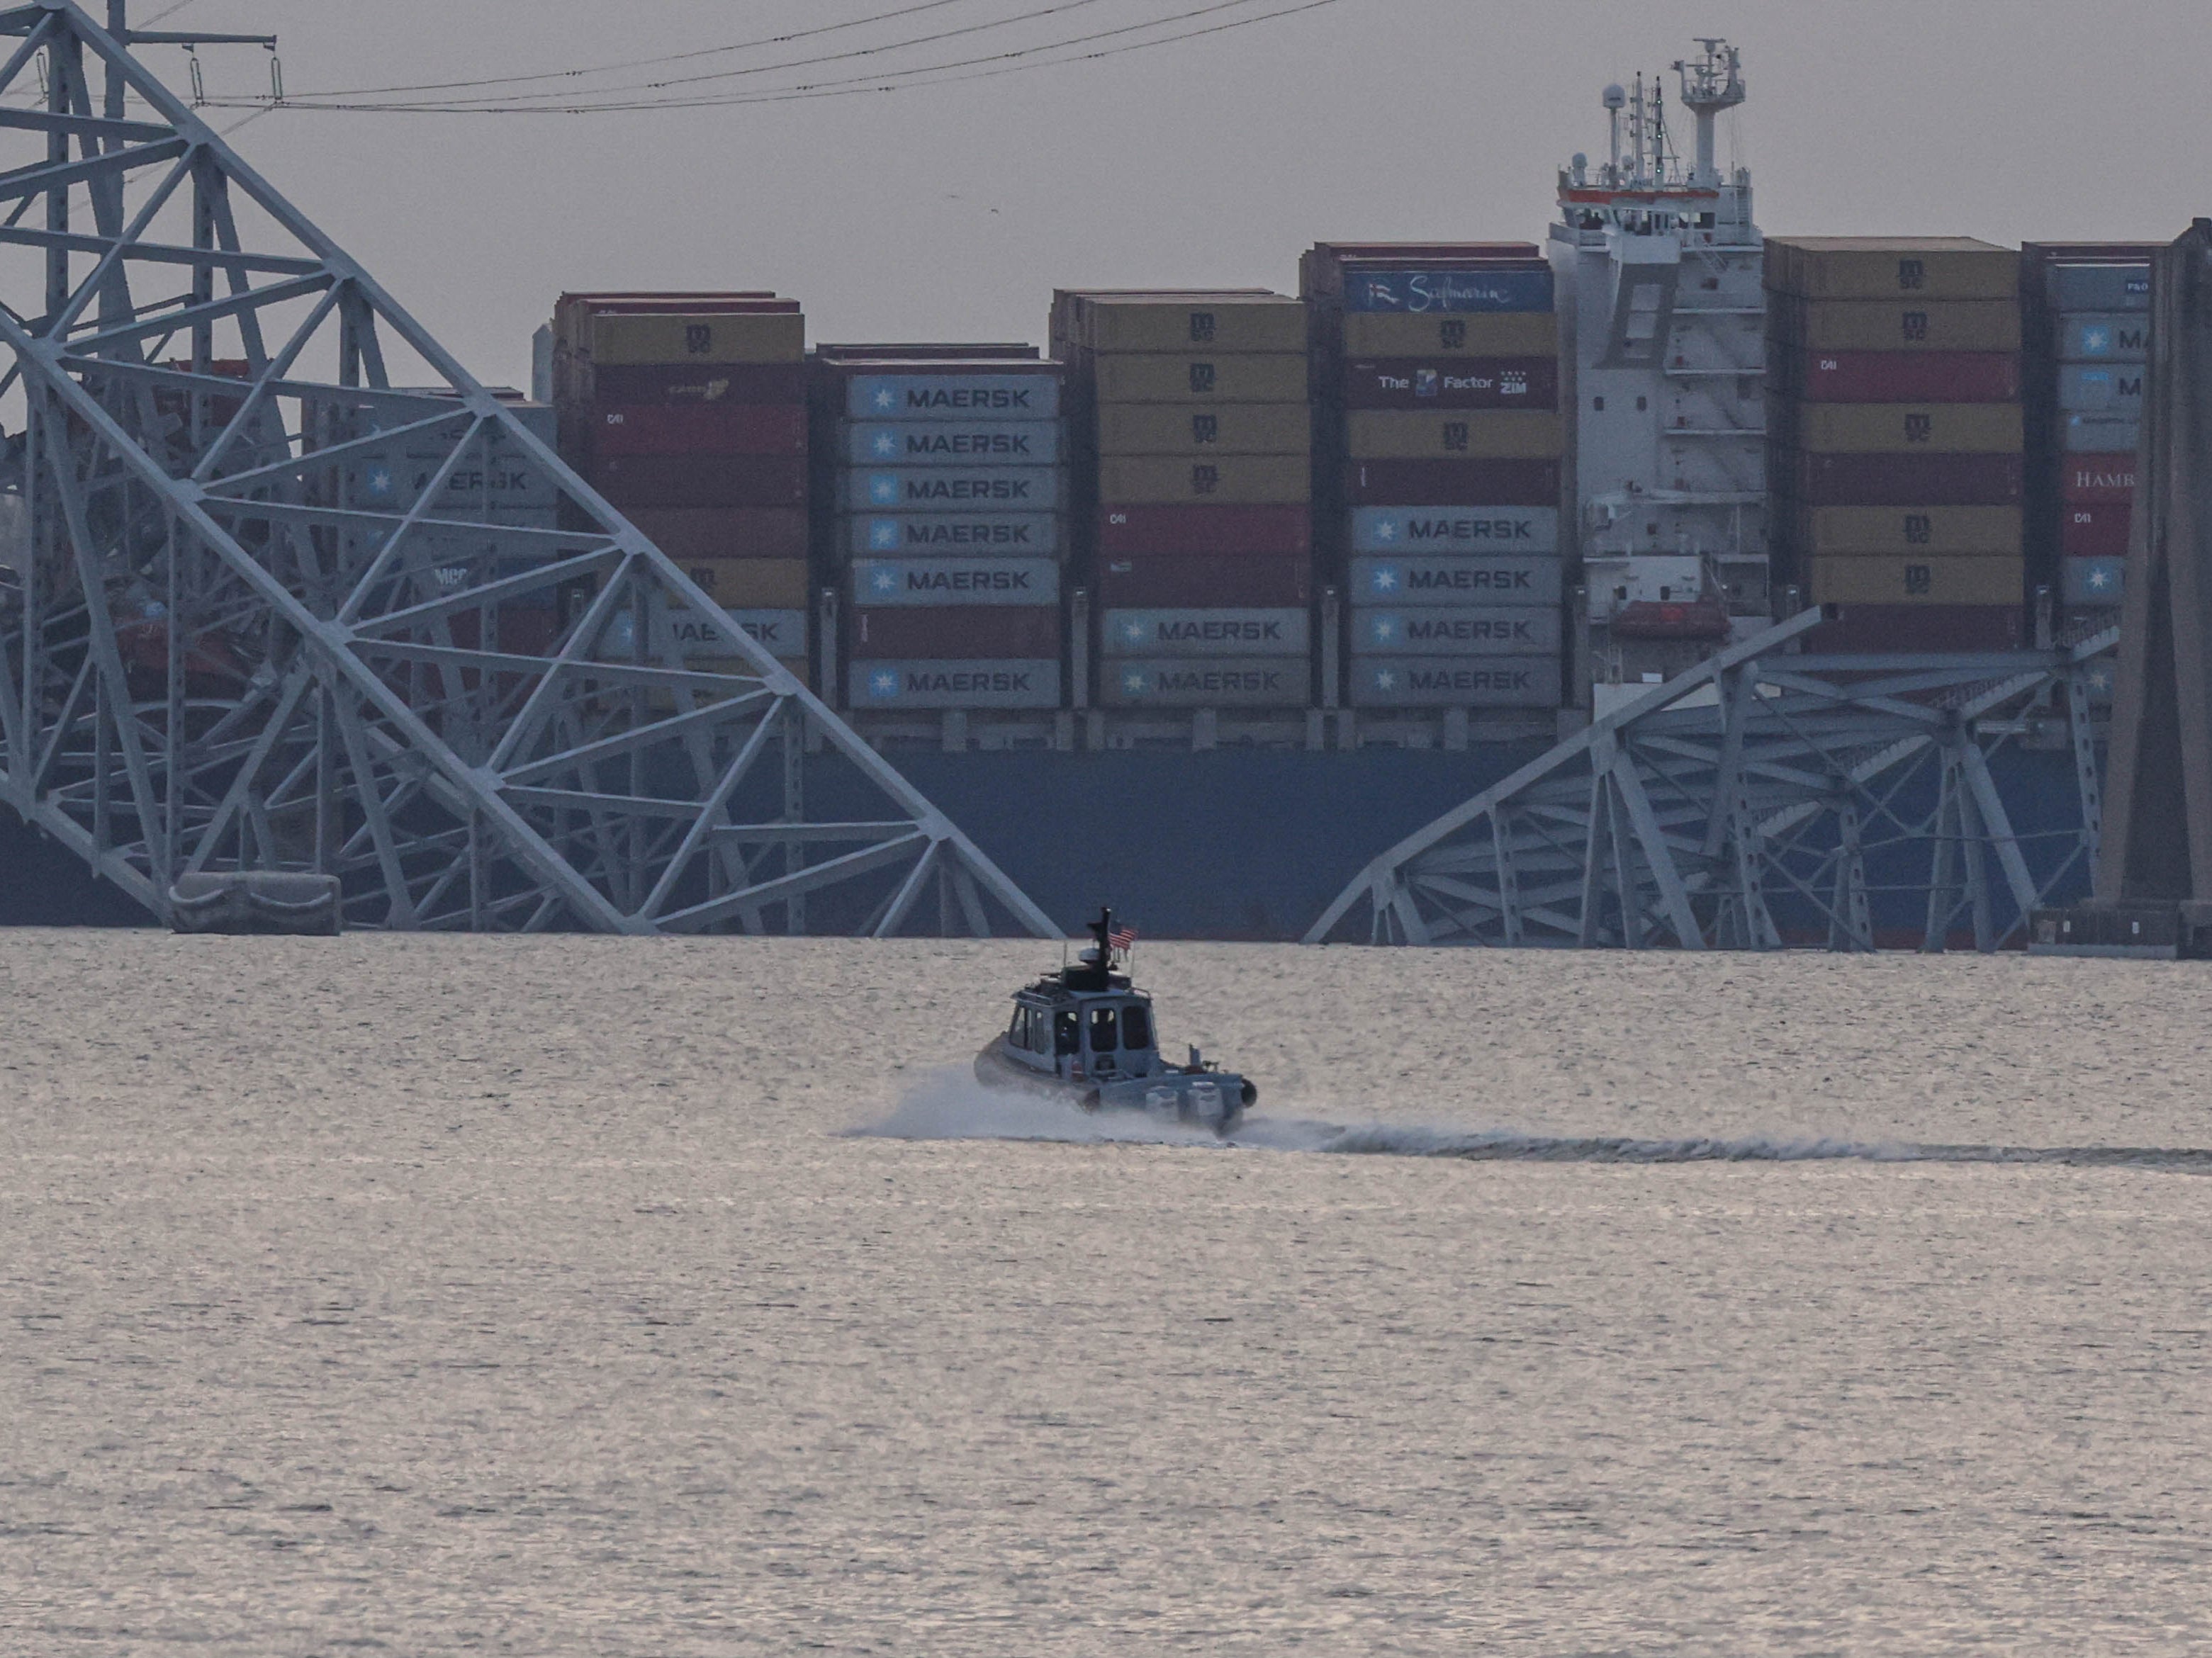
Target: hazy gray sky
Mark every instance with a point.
(953, 212)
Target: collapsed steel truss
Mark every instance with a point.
(268, 612)
(1760, 783)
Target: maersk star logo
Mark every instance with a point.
(1133, 682)
(886, 399)
(883, 490)
(883, 534)
(885, 582)
(1385, 580)
(885, 444)
(1386, 679)
(1385, 629)
(882, 684)
(1133, 632)
(380, 480)
(2099, 579)
(2095, 342)
(2100, 680)
(1386, 531)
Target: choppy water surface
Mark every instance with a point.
(643, 1297)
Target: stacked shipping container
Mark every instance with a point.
(946, 495)
(1436, 426)
(1895, 438)
(1195, 480)
(2088, 309)
(688, 411)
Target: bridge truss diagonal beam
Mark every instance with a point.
(1763, 783)
(264, 607)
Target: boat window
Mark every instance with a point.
(1066, 1032)
(1105, 1030)
(1017, 1033)
(1033, 1035)
(1136, 1027)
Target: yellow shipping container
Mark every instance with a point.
(751, 583)
(1939, 579)
(1918, 532)
(1165, 323)
(1230, 481)
(1907, 325)
(1445, 435)
(1252, 377)
(1243, 428)
(630, 341)
(1952, 428)
(1484, 334)
(1879, 267)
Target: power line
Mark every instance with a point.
(765, 41)
(982, 68)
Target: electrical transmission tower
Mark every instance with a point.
(263, 608)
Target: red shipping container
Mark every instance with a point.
(690, 535)
(1177, 581)
(755, 383)
(1908, 480)
(713, 428)
(702, 480)
(1909, 377)
(956, 633)
(1453, 483)
(1446, 383)
(1900, 629)
(2097, 477)
(2085, 530)
(1207, 531)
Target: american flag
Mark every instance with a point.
(1122, 938)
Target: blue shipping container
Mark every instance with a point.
(1432, 682)
(2118, 339)
(1419, 292)
(982, 684)
(1501, 630)
(2094, 583)
(2094, 389)
(2099, 287)
(1234, 632)
(2103, 435)
(1020, 535)
(1222, 682)
(954, 443)
(884, 581)
(1458, 579)
(956, 489)
(1454, 529)
(953, 396)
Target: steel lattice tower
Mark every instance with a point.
(221, 648)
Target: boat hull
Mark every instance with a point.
(1203, 1099)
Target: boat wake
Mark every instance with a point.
(951, 1105)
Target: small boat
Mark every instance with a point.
(1085, 1035)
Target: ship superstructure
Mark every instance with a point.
(1662, 318)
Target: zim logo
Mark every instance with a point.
(1919, 428)
(1455, 434)
(1920, 528)
(1201, 328)
(1914, 324)
(1919, 579)
(1452, 336)
(1205, 480)
(1911, 274)
(698, 338)
(1202, 378)
(1205, 428)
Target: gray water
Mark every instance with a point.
(649, 1297)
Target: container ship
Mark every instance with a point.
(1218, 592)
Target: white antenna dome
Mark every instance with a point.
(1616, 96)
